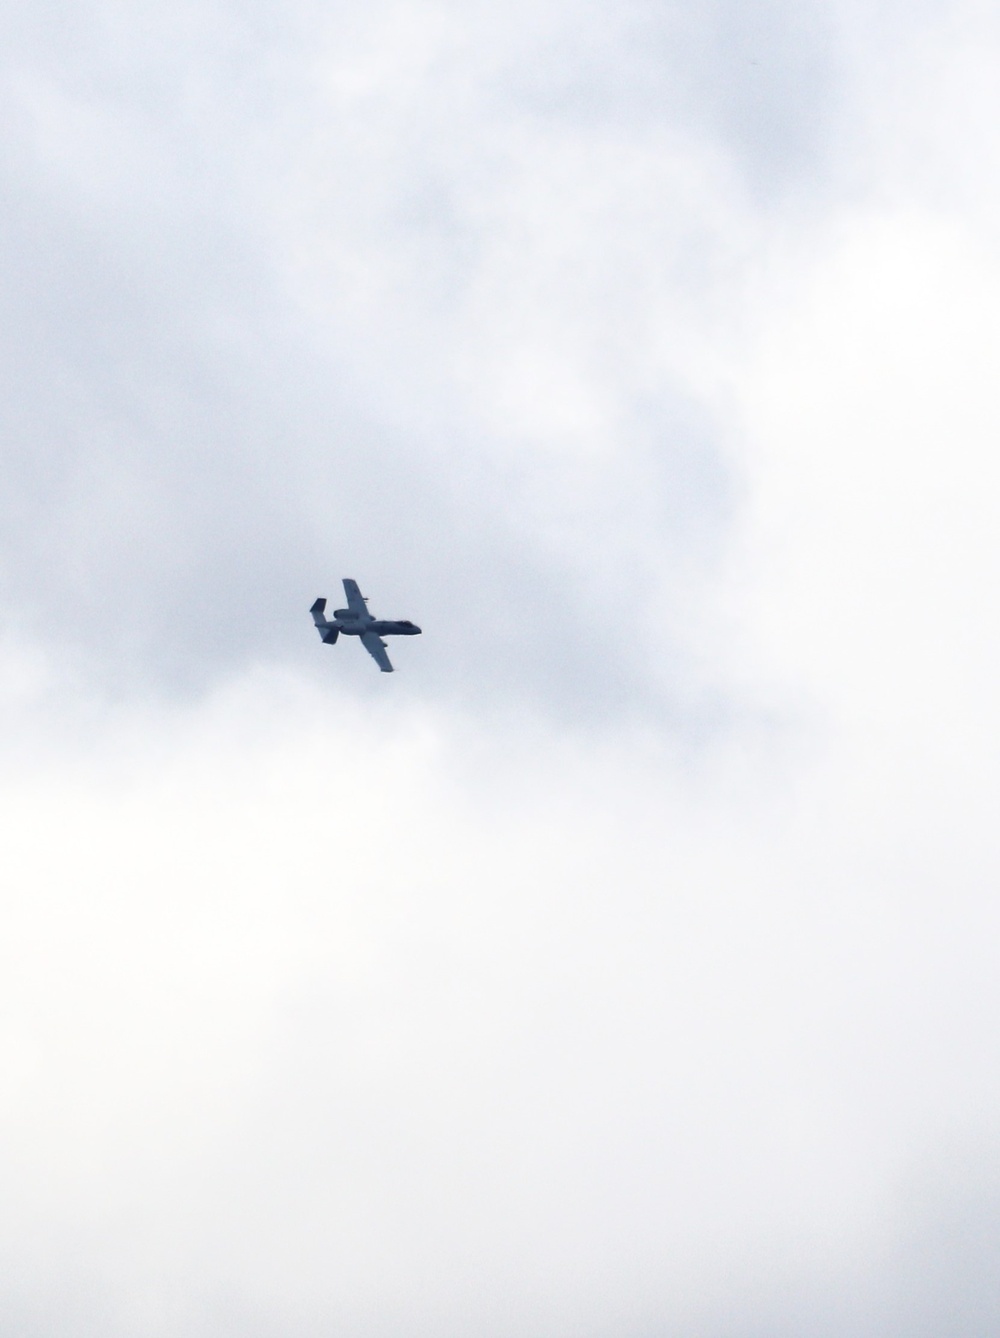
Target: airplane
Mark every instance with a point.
(355, 620)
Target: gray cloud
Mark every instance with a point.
(190, 447)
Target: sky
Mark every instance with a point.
(625, 964)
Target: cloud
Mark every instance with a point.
(628, 968)
(330, 305)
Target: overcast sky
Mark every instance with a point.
(627, 963)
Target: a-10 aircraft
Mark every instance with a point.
(355, 620)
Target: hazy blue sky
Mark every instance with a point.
(626, 964)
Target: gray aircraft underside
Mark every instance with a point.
(355, 620)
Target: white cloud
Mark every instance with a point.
(627, 971)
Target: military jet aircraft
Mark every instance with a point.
(355, 620)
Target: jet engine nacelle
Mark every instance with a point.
(343, 613)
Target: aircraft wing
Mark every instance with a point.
(355, 599)
(375, 647)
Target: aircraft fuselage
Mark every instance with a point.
(380, 626)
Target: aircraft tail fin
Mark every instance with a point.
(328, 631)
